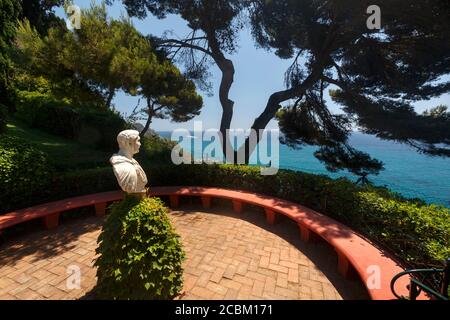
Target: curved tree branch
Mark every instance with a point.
(174, 43)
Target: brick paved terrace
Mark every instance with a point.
(229, 256)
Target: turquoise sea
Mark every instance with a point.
(408, 172)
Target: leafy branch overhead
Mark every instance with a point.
(375, 76)
(215, 26)
(108, 55)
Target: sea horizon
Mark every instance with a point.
(407, 172)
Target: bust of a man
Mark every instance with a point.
(130, 175)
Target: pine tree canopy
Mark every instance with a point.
(375, 75)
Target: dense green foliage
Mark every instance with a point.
(109, 54)
(379, 74)
(23, 170)
(73, 168)
(9, 12)
(56, 186)
(102, 57)
(40, 110)
(155, 149)
(140, 255)
(41, 14)
(63, 154)
(87, 124)
(415, 232)
(3, 117)
(40, 65)
(63, 81)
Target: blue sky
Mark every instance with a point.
(258, 74)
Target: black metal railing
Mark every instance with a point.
(434, 282)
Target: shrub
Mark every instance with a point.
(23, 169)
(3, 116)
(155, 149)
(58, 185)
(36, 110)
(86, 124)
(99, 128)
(417, 233)
(140, 253)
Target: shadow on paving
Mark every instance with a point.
(320, 253)
(31, 239)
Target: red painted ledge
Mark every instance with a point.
(355, 254)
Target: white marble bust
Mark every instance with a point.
(130, 175)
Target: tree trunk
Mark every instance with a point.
(110, 96)
(274, 104)
(149, 119)
(147, 126)
(227, 68)
(227, 105)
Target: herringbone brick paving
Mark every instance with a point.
(229, 256)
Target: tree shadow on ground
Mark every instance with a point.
(31, 239)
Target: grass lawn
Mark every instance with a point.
(62, 153)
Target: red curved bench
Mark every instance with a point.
(355, 253)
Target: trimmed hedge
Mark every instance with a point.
(57, 186)
(140, 255)
(86, 124)
(415, 232)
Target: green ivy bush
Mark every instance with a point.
(86, 124)
(3, 116)
(140, 255)
(23, 169)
